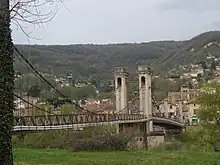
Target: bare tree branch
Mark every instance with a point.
(32, 12)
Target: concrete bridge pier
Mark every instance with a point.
(142, 135)
(121, 76)
(149, 126)
(131, 127)
(138, 132)
(120, 128)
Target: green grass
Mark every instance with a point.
(135, 157)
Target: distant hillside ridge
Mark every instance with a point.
(98, 61)
(193, 50)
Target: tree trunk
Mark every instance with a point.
(6, 85)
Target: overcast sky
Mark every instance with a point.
(114, 21)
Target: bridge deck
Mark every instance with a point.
(76, 121)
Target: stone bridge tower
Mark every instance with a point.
(121, 80)
(145, 90)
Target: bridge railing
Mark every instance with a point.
(164, 116)
(53, 120)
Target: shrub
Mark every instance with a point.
(105, 143)
(91, 139)
(197, 139)
(16, 141)
(173, 146)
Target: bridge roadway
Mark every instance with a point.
(79, 121)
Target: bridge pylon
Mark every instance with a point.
(144, 74)
(121, 83)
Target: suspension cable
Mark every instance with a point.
(45, 80)
(41, 109)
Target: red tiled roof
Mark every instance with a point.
(93, 107)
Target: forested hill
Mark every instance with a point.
(99, 60)
(194, 50)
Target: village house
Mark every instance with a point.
(193, 107)
(179, 103)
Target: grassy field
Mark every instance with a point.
(136, 157)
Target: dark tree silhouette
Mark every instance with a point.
(213, 66)
(204, 64)
(6, 85)
(20, 11)
(34, 91)
(32, 12)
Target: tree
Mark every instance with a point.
(199, 77)
(204, 64)
(32, 12)
(206, 135)
(21, 10)
(213, 66)
(86, 92)
(68, 91)
(103, 95)
(197, 139)
(67, 109)
(26, 81)
(6, 85)
(46, 94)
(209, 113)
(34, 91)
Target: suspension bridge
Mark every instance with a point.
(142, 117)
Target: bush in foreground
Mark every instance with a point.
(89, 140)
(105, 143)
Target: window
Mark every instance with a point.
(195, 111)
(194, 105)
(143, 81)
(158, 107)
(171, 106)
(119, 82)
